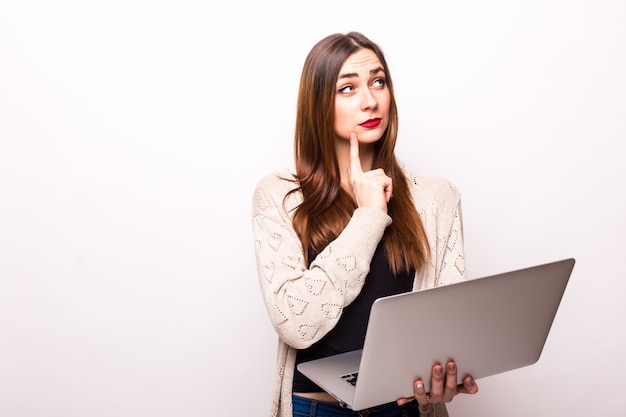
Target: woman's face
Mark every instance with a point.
(362, 98)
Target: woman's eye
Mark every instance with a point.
(379, 82)
(346, 90)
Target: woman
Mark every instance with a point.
(351, 225)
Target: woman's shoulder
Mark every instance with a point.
(272, 189)
(431, 186)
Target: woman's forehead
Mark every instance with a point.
(361, 60)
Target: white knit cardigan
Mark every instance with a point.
(304, 303)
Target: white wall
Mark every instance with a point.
(133, 132)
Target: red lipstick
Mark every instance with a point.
(370, 123)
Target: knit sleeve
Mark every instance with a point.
(304, 303)
(438, 202)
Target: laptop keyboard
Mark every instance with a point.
(350, 378)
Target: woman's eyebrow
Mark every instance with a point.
(355, 75)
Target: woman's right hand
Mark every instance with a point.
(371, 188)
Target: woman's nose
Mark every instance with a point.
(368, 100)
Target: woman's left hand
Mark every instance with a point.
(443, 387)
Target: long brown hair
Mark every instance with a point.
(326, 206)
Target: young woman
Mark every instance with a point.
(349, 226)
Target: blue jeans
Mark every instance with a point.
(304, 407)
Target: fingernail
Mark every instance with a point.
(469, 383)
(438, 371)
(420, 386)
(451, 367)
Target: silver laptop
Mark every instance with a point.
(486, 325)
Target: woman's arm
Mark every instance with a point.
(438, 202)
(304, 303)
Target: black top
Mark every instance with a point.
(349, 333)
